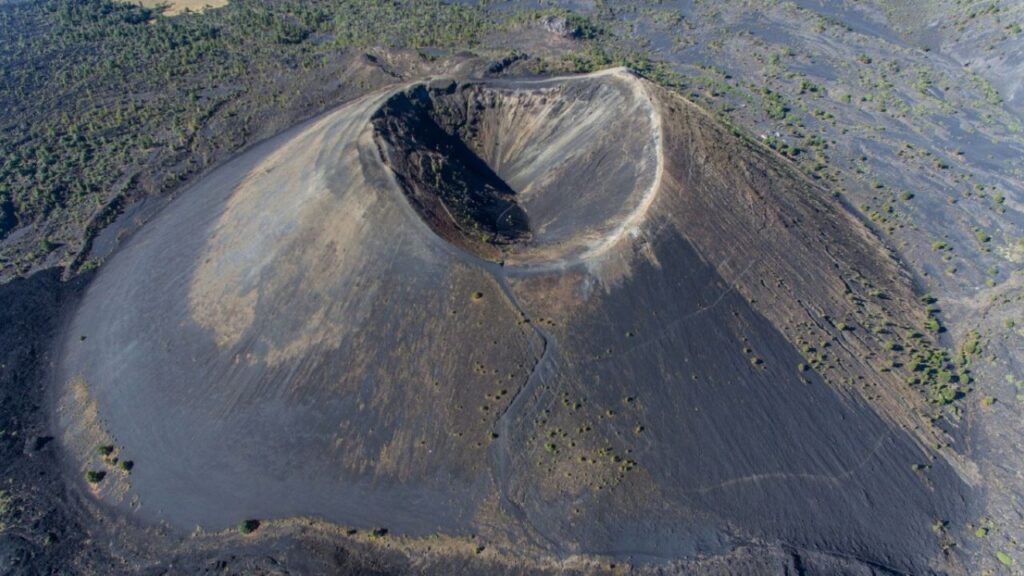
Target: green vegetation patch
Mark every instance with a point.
(101, 99)
(248, 526)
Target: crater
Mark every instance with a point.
(526, 174)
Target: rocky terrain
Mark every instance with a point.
(501, 315)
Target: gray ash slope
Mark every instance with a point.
(563, 315)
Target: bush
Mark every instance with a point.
(95, 476)
(248, 526)
(774, 105)
(1004, 558)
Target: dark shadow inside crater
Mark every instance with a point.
(530, 173)
(455, 190)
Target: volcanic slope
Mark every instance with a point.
(570, 316)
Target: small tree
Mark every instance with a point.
(248, 526)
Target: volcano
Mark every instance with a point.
(569, 316)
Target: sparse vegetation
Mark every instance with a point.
(75, 72)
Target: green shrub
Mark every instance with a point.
(774, 105)
(5, 505)
(248, 526)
